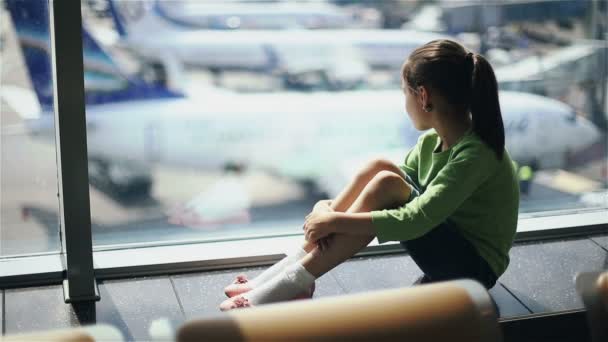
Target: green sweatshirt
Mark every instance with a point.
(467, 184)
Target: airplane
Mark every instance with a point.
(134, 125)
(230, 15)
(478, 16)
(262, 50)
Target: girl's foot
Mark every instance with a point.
(237, 302)
(307, 294)
(287, 285)
(239, 286)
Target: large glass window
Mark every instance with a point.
(28, 169)
(224, 122)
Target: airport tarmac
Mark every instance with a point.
(29, 202)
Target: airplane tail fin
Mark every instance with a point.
(103, 79)
(31, 21)
(119, 26)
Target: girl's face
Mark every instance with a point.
(413, 107)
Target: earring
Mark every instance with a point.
(427, 108)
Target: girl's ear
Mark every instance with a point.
(423, 96)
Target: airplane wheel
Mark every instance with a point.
(312, 189)
(140, 188)
(125, 181)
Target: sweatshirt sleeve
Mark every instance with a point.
(467, 169)
(410, 164)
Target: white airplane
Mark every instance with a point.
(229, 14)
(582, 62)
(133, 125)
(264, 50)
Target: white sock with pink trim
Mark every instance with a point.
(286, 285)
(275, 269)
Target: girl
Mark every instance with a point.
(453, 203)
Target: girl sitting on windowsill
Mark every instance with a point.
(453, 203)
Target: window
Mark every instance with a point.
(217, 132)
(29, 203)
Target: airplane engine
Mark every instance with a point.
(120, 178)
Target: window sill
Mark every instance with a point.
(145, 261)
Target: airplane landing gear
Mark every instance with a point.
(121, 179)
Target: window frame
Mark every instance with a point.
(65, 27)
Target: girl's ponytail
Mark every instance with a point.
(485, 108)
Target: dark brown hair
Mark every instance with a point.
(466, 80)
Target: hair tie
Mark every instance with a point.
(469, 56)
(469, 63)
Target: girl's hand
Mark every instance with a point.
(323, 244)
(318, 225)
(322, 206)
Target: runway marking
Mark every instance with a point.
(568, 182)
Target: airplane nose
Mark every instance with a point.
(588, 134)
(583, 143)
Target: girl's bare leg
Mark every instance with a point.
(373, 188)
(385, 190)
(353, 190)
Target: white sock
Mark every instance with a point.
(286, 285)
(275, 269)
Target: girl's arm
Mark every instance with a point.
(354, 223)
(319, 225)
(410, 164)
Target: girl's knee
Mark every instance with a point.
(376, 166)
(391, 185)
(381, 164)
(387, 179)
